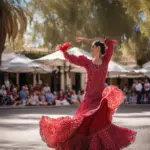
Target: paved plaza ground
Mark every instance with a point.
(19, 126)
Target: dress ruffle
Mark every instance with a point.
(54, 131)
(114, 96)
(111, 137)
(90, 129)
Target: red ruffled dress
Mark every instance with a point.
(91, 127)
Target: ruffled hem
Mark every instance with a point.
(111, 138)
(54, 131)
(66, 133)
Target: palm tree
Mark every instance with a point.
(13, 21)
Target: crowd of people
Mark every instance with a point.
(38, 95)
(139, 93)
(41, 95)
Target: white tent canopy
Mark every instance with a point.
(144, 71)
(53, 59)
(22, 64)
(146, 65)
(8, 55)
(57, 58)
(114, 69)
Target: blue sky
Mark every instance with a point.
(29, 32)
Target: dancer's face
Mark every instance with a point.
(95, 50)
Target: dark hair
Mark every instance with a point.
(102, 46)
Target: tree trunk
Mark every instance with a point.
(2, 40)
(2, 47)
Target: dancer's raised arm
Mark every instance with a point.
(77, 60)
(110, 44)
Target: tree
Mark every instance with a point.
(139, 41)
(125, 20)
(13, 21)
(63, 20)
(17, 45)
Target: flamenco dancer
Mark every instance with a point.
(91, 127)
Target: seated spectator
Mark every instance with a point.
(27, 89)
(46, 88)
(68, 97)
(42, 99)
(5, 99)
(23, 95)
(61, 99)
(9, 97)
(80, 96)
(37, 88)
(49, 97)
(69, 90)
(34, 99)
(12, 87)
(3, 91)
(15, 97)
(55, 96)
(74, 98)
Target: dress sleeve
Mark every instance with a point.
(109, 51)
(77, 60)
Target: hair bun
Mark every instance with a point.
(98, 43)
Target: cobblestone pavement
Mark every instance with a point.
(19, 126)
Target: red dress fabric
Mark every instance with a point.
(91, 127)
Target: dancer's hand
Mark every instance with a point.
(109, 40)
(79, 39)
(64, 47)
(115, 41)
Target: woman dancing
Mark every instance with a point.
(91, 127)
